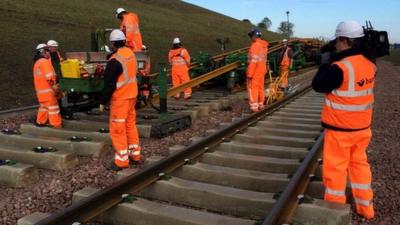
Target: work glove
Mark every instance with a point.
(101, 108)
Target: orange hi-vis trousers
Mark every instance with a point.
(179, 77)
(256, 92)
(49, 111)
(344, 154)
(123, 131)
(283, 75)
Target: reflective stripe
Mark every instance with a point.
(362, 202)
(121, 158)
(366, 92)
(42, 110)
(334, 192)
(118, 120)
(179, 61)
(360, 186)
(133, 146)
(42, 91)
(49, 75)
(132, 28)
(37, 72)
(122, 152)
(136, 152)
(53, 107)
(351, 92)
(350, 108)
(54, 113)
(127, 80)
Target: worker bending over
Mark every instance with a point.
(46, 87)
(256, 70)
(348, 85)
(121, 90)
(130, 27)
(179, 59)
(286, 61)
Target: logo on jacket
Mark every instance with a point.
(365, 81)
(361, 83)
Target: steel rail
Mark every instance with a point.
(216, 57)
(206, 77)
(283, 210)
(92, 206)
(16, 110)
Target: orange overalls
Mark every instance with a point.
(44, 78)
(348, 109)
(123, 130)
(284, 69)
(130, 26)
(256, 70)
(180, 60)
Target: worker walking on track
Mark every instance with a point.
(286, 61)
(347, 114)
(46, 88)
(256, 70)
(130, 27)
(179, 59)
(121, 90)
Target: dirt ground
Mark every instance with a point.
(383, 151)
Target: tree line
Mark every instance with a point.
(286, 28)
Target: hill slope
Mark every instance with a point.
(27, 23)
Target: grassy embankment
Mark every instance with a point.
(394, 57)
(27, 23)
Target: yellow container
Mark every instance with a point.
(70, 68)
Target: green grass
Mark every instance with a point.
(25, 23)
(394, 57)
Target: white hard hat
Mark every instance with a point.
(119, 10)
(349, 29)
(284, 40)
(144, 47)
(52, 43)
(41, 46)
(176, 41)
(117, 35)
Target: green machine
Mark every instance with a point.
(82, 82)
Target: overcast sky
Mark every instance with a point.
(313, 18)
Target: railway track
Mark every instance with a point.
(252, 171)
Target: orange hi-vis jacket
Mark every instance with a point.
(127, 87)
(130, 26)
(257, 58)
(350, 106)
(179, 59)
(44, 78)
(285, 59)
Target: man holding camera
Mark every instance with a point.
(347, 79)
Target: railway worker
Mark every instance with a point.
(256, 70)
(347, 114)
(130, 27)
(286, 62)
(56, 58)
(179, 59)
(46, 87)
(120, 91)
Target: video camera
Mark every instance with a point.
(374, 44)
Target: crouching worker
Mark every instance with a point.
(46, 88)
(121, 90)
